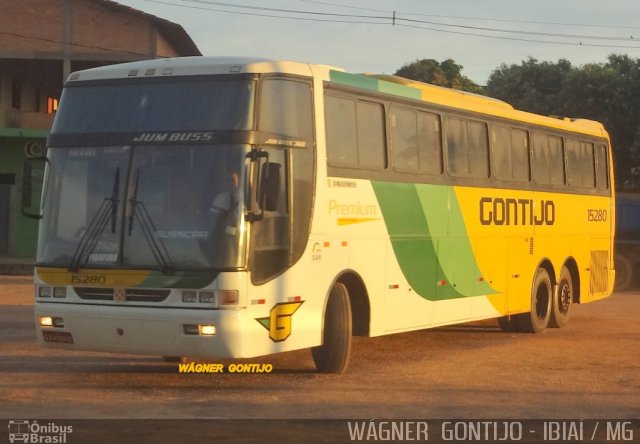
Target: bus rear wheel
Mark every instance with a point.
(562, 299)
(624, 272)
(333, 355)
(537, 319)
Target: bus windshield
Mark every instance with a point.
(153, 206)
(121, 106)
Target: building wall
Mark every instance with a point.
(97, 31)
(104, 30)
(38, 19)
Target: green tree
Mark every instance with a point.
(447, 73)
(532, 86)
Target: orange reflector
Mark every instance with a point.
(442, 283)
(295, 299)
(394, 286)
(327, 244)
(345, 243)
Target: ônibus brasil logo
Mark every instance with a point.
(34, 432)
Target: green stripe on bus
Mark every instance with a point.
(373, 84)
(354, 80)
(429, 240)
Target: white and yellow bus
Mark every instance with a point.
(231, 208)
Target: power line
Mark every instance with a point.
(541, 34)
(345, 6)
(395, 20)
(517, 39)
(535, 22)
(202, 8)
(288, 11)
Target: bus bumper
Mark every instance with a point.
(147, 331)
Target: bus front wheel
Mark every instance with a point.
(562, 299)
(537, 319)
(333, 355)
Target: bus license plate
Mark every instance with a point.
(57, 336)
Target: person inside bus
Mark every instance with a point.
(224, 209)
(225, 203)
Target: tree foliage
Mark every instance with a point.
(606, 92)
(447, 73)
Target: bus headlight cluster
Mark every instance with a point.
(56, 292)
(215, 298)
(50, 321)
(199, 329)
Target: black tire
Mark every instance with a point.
(624, 272)
(333, 355)
(562, 300)
(537, 319)
(508, 323)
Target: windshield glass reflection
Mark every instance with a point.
(169, 207)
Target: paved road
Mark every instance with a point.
(588, 370)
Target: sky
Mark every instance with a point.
(467, 31)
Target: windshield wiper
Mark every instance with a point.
(114, 200)
(158, 249)
(108, 209)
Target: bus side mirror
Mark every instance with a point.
(33, 174)
(270, 186)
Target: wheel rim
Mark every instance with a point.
(564, 297)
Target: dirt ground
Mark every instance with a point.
(589, 369)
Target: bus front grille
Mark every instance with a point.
(132, 294)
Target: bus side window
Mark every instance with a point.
(548, 161)
(478, 149)
(602, 168)
(355, 133)
(510, 153)
(501, 152)
(520, 162)
(580, 164)
(286, 108)
(342, 139)
(429, 143)
(467, 148)
(404, 138)
(371, 135)
(456, 136)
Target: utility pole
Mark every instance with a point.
(66, 39)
